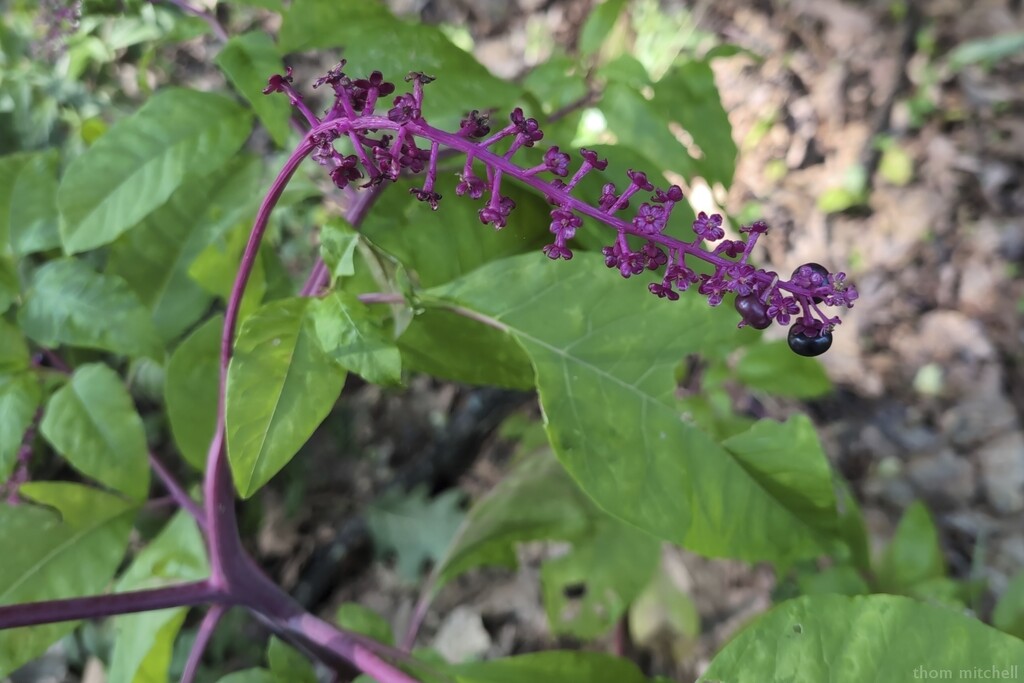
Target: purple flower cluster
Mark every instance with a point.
(385, 144)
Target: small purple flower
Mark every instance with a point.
(564, 223)
(471, 185)
(347, 171)
(609, 197)
(680, 276)
(528, 130)
(557, 251)
(404, 110)
(782, 307)
(333, 77)
(755, 228)
(279, 83)
(375, 82)
(672, 195)
(709, 227)
(592, 159)
(557, 162)
(663, 290)
(650, 219)
(475, 125)
(497, 211)
(427, 196)
(731, 248)
(714, 287)
(640, 181)
(742, 276)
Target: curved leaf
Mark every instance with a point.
(190, 391)
(281, 385)
(92, 422)
(69, 303)
(248, 61)
(141, 160)
(69, 554)
(350, 334)
(868, 638)
(20, 395)
(605, 373)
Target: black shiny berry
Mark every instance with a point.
(802, 345)
(753, 311)
(818, 269)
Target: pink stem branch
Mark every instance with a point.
(95, 606)
(206, 628)
(179, 494)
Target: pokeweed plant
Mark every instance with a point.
(113, 266)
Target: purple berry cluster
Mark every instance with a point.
(397, 139)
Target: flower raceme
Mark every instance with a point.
(387, 141)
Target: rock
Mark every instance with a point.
(462, 636)
(1002, 471)
(981, 414)
(945, 480)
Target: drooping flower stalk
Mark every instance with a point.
(388, 143)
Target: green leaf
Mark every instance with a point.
(141, 160)
(598, 25)
(614, 353)
(774, 368)
(190, 391)
(69, 552)
(415, 527)
(216, 266)
(355, 617)
(275, 5)
(155, 257)
(787, 460)
(374, 39)
(662, 606)
(612, 564)
(248, 61)
(338, 242)
(250, 676)
(1009, 612)
(870, 638)
(281, 386)
(69, 303)
(145, 641)
(92, 422)
(452, 242)
(9, 285)
(11, 166)
(20, 396)
(687, 95)
(841, 579)
(13, 349)
(988, 50)
(447, 345)
(534, 501)
(552, 667)
(642, 125)
(34, 219)
(896, 165)
(355, 338)
(914, 555)
(289, 665)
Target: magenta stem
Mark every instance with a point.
(179, 494)
(206, 628)
(96, 606)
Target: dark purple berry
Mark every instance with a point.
(816, 269)
(802, 345)
(753, 311)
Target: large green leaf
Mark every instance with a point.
(552, 667)
(281, 385)
(141, 160)
(870, 638)
(190, 391)
(155, 257)
(373, 39)
(68, 553)
(687, 96)
(69, 303)
(1009, 612)
(447, 345)
(439, 246)
(11, 166)
(288, 664)
(145, 641)
(13, 349)
(604, 352)
(9, 284)
(355, 339)
(248, 61)
(93, 423)
(33, 210)
(788, 461)
(215, 267)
